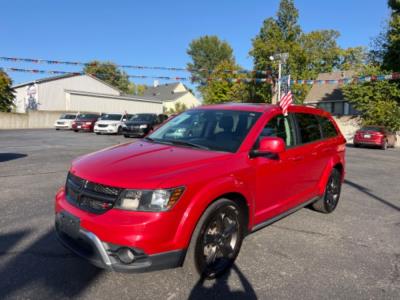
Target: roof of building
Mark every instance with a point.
(122, 97)
(165, 92)
(53, 78)
(328, 92)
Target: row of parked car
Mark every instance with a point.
(130, 125)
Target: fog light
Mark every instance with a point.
(126, 255)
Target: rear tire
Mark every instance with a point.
(329, 201)
(216, 240)
(384, 145)
(57, 128)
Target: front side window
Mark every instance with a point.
(309, 127)
(279, 126)
(219, 130)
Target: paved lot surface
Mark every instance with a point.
(353, 253)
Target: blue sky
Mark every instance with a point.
(157, 33)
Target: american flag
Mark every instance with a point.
(287, 98)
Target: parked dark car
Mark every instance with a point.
(85, 122)
(139, 125)
(374, 136)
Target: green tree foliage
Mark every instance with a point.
(136, 89)
(222, 90)
(6, 93)
(206, 53)
(391, 44)
(109, 72)
(353, 58)
(309, 53)
(378, 101)
(178, 108)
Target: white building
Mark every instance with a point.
(80, 93)
(172, 93)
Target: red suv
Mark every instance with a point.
(374, 136)
(191, 191)
(85, 122)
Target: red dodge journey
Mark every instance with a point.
(189, 193)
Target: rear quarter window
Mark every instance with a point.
(309, 127)
(328, 129)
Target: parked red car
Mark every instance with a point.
(85, 122)
(190, 192)
(377, 136)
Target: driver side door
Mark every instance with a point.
(278, 180)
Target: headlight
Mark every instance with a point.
(149, 200)
(143, 126)
(114, 124)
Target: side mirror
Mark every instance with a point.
(124, 119)
(269, 147)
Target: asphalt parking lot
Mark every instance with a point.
(353, 253)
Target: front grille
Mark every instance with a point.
(61, 123)
(89, 196)
(102, 125)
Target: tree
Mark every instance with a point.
(353, 58)
(378, 101)
(109, 72)
(391, 44)
(206, 53)
(178, 108)
(136, 89)
(222, 89)
(6, 93)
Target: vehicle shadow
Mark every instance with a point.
(11, 156)
(45, 263)
(369, 193)
(220, 288)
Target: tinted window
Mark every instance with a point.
(309, 128)
(373, 128)
(279, 126)
(328, 129)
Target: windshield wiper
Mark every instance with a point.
(186, 143)
(148, 139)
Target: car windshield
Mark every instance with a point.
(87, 116)
(111, 117)
(218, 130)
(142, 118)
(68, 117)
(372, 128)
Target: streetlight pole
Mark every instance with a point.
(281, 57)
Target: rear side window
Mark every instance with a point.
(328, 129)
(279, 126)
(308, 127)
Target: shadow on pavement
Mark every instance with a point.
(369, 193)
(11, 156)
(55, 272)
(221, 290)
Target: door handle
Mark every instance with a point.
(296, 158)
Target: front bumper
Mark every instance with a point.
(135, 131)
(108, 129)
(103, 255)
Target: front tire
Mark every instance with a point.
(329, 201)
(216, 241)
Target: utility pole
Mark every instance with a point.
(281, 58)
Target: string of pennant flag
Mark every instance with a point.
(137, 67)
(361, 79)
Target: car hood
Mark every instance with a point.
(142, 164)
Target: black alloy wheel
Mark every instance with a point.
(219, 240)
(329, 201)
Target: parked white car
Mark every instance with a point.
(65, 121)
(110, 123)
